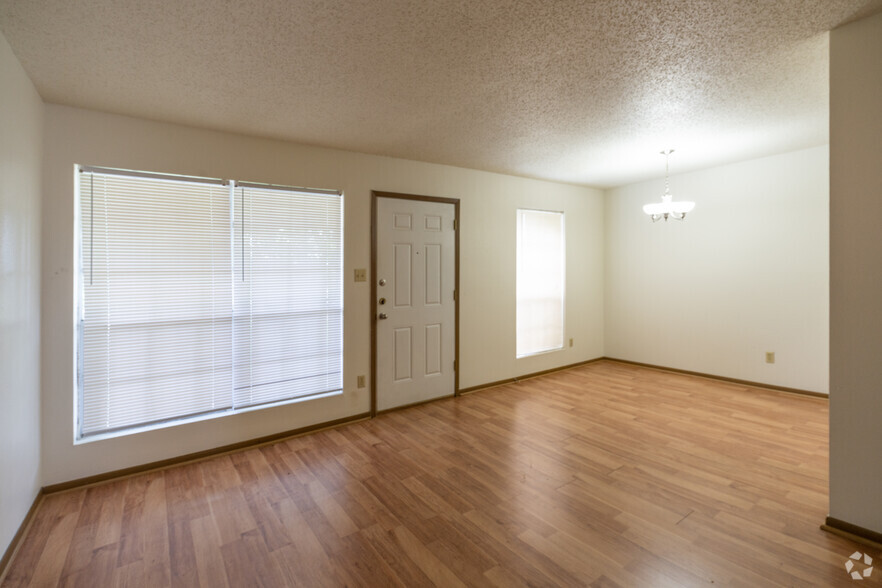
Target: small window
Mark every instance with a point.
(202, 297)
(540, 282)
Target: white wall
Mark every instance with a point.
(745, 273)
(487, 242)
(856, 273)
(21, 121)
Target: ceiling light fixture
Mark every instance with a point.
(667, 207)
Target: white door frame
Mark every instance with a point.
(373, 273)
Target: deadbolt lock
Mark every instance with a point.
(382, 301)
(382, 281)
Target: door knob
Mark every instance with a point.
(382, 316)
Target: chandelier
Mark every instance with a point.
(667, 208)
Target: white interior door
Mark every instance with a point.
(415, 307)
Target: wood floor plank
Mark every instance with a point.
(206, 551)
(44, 530)
(363, 508)
(130, 575)
(355, 554)
(154, 532)
(182, 554)
(534, 557)
(185, 494)
(607, 475)
(428, 562)
(231, 514)
(247, 562)
(570, 554)
(385, 544)
(48, 568)
(219, 474)
(109, 522)
(131, 542)
(305, 560)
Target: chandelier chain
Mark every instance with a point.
(667, 155)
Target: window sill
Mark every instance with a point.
(543, 352)
(197, 418)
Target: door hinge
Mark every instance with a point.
(454, 294)
(454, 224)
(454, 365)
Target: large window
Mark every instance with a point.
(540, 282)
(200, 297)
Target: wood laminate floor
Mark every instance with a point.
(603, 475)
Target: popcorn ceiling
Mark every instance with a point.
(579, 91)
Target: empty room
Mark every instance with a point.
(395, 293)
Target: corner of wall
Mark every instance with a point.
(21, 153)
(855, 273)
(713, 293)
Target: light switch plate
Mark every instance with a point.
(361, 275)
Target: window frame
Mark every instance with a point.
(539, 350)
(81, 279)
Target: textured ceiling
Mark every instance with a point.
(579, 91)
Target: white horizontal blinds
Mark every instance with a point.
(540, 281)
(156, 300)
(288, 283)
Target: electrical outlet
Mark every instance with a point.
(361, 275)
(571, 341)
(361, 381)
(770, 357)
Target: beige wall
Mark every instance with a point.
(21, 121)
(745, 273)
(489, 202)
(856, 273)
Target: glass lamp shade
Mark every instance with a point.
(667, 207)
